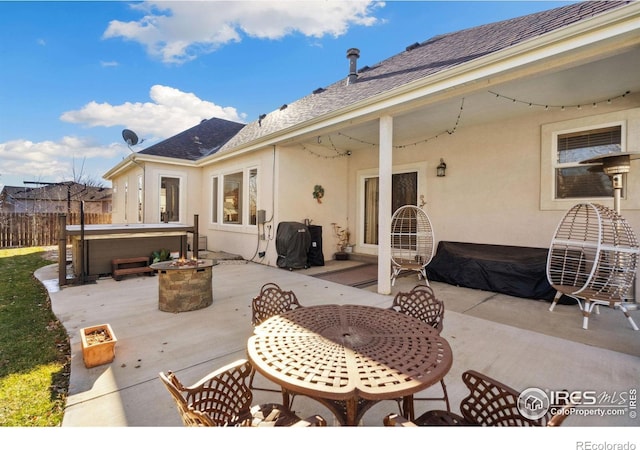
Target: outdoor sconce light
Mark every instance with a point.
(442, 167)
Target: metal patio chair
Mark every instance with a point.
(490, 403)
(422, 304)
(272, 300)
(224, 398)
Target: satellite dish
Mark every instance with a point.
(129, 137)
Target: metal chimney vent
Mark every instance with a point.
(353, 54)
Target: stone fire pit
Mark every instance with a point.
(184, 285)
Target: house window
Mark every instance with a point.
(140, 197)
(126, 199)
(404, 191)
(253, 196)
(169, 199)
(233, 198)
(574, 180)
(214, 200)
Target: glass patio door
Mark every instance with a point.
(404, 191)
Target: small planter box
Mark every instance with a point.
(341, 256)
(98, 345)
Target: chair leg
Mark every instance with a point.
(405, 405)
(395, 271)
(446, 395)
(423, 275)
(555, 300)
(625, 311)
(586, 312)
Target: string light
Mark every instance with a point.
(338, 154)
(530, 104)
(422, 141)
(561, 107)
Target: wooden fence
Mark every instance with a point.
(39, 229)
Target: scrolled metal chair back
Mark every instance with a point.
(270, 301)
(422, 304)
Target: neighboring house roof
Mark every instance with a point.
(418, 61)
(60, 191)
(204, 139)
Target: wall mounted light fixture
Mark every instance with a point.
(441, 169)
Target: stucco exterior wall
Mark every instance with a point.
(492, 189)
(491, 193)
(300, 170)
(125, 204)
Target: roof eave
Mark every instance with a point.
(498, 66)
(137, 158)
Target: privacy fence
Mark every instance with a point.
(39, 229)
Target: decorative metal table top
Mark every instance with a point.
(349, 356)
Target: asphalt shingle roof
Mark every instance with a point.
(199, 141)
(418, 61)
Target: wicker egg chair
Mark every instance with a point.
(412, 242)
(593, 259)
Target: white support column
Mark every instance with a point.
(385, 165)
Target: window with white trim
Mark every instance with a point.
(140, 199)
(214, 200)
(253, 196)
(580, 181)
(169, 199)
(234, 198)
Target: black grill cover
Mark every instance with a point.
(292, 244)
(511, 270)
(315, 256)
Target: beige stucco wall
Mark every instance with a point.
(239, 239)
(292, 172)
(126, 211)
(491, 193)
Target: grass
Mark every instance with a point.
(34, 346)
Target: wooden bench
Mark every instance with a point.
(129, 266)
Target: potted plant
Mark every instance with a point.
(343, 235)
(98, 345)
(161, 255)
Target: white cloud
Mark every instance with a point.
(176, 32)
(51, 161)
(170, 112)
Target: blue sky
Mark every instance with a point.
(75, 74)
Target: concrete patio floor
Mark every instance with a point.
(515, 340)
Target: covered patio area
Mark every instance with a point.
(515, 340)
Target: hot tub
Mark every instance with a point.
(103, 243)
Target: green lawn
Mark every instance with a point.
(34, 347)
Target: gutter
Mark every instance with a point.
(137, 158)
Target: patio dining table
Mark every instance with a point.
(349, 357)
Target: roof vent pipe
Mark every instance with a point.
(353, 54)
